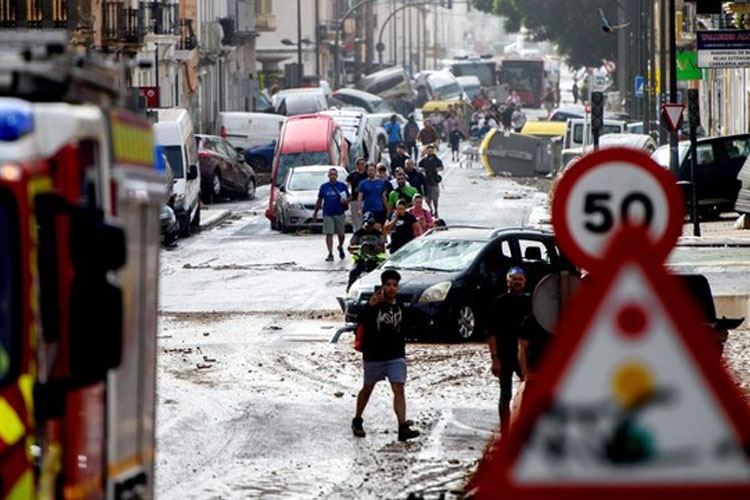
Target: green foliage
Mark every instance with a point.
(573, 26)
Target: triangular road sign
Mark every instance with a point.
(631, 399)
(673, 115)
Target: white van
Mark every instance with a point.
(578, 131)
(248, 130)
(174, 133)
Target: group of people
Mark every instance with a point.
(439, 126)
(508, 115)
(516, 343)
(399, 207)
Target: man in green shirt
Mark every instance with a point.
(401, 192)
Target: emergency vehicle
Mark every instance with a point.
(79, 258)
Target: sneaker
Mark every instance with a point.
(357, 428)
(405, 432)
(341, 253)
(329, 258)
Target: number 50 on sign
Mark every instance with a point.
(607, 189)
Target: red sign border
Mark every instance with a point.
(492, 479)
(593, 160)
(668, 119)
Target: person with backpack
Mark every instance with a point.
(384, 353)
(411, 131)
(393, 129)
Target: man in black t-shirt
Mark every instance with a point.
(509, 311)
(367, 246)
(399, 159)
(384, 353)
(401, 226)
(532, 344)
(353, 179)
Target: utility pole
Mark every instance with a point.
(674, 157)
(317, 38)
(662, 66)
(411, 45)
(647, 32)
(403, 38)
(369, 39)
(300, 71)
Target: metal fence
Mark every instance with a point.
(188, 41)
(36, 13)
(121, 24)
(161, 18)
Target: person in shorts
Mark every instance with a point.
(432, 166)
(334, 196)
(384, 353)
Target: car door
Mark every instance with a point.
(242, 172)
(233, 178)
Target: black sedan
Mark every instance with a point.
(223, 170)
(449, 277)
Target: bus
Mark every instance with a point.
(530, 78)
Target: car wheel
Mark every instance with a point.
(250, 189)
(466, 325)
(282, 223)
(259, 164)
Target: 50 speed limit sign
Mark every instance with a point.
(607, 189)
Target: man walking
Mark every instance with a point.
(509, 311)
(384, 353)
(371, 196)
(415, 177)
(393, 129)
(334, 196)
(428, 135)
(402, 226)
(399, 160)
(431, 165)
(353, 179)
(401, 192)
(411, 131)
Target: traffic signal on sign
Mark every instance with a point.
(597, 110)
(694, 113)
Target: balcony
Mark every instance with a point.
(160, 18)
(121, 25)
(38, 14)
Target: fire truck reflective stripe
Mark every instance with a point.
(23, 489)
(26, 385)
(132, 144)
(83, 489)
(12, 428)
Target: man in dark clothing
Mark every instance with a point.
(402, 226)
(411, 131)
(415, 177)
(431, 165)
(509, 309)
(353, 179)
(399, 159)
(428, 135)
(532, 344)
(384, 353)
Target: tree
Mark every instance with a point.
(573, 26)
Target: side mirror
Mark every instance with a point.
(282, 189)
(192, 173)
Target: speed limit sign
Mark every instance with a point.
(607, 189)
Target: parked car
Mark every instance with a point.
(719, 160)
(471, 85)
(260, 157)
(174, 133)
(450, 276)
(170, 227)
(300, 101)
(223, 170)
(371, 103)
(359, 133)
(437, 86)
(298, 195)
(578, 131)
(684, 132)
(249, 130)
(563, 113)
(305, 140)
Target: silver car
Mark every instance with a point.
(298, 195)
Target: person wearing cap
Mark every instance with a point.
(509, 310)
(384, 353)
(367, 246)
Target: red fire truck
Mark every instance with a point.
(79, 258)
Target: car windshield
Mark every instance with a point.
(380, 106)
(307, 181)
(445, 88)
(436, 254)
(8, 313)
(661, 155)
(174, 155)
(290, 160)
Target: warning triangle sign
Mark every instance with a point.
(631, 399)
(673, 115)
